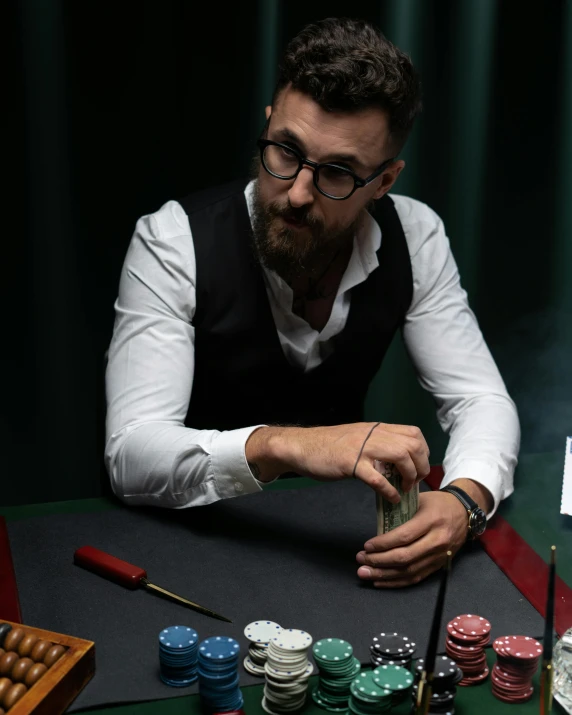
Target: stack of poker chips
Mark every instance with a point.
(287, 671)
(367, 697)
(517, 661)
(467, 637)
(178, 646)
(446, 676)
(338, 669)
(218, 674)
(396, 679)
(259, 634)
(392, 649)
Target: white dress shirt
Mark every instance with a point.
(152, 458)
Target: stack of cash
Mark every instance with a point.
(390, 516)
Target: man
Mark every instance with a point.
(252, 318)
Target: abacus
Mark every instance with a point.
(41, 672)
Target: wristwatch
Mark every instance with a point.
(477, 517)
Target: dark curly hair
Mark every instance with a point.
(345, 65)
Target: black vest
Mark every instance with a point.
(242, 377)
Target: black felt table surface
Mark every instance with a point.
(286, 556)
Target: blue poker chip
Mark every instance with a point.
(219, 648)
(177, 638)
(178, 683)
(214, 679)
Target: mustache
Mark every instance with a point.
(302, 214)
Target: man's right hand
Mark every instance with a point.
(330, 453)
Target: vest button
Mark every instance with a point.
(238, 487)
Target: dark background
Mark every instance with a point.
(111, 109)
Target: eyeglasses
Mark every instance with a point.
(331, 180)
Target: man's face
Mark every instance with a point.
(296, 228)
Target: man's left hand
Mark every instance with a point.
(411, 552)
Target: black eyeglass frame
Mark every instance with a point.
(359, 183)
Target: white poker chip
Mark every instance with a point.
(253, 668)
(292, 639)
(262, 631)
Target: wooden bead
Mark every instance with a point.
(14, 694)
(35, 673)
(13, 638)
(5, 685)
(2, 651)
(54, 654)
(26, 644)
(21, 667)
(40, 649)
(7, 663)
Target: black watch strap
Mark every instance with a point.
(462, 496)
(477, 517)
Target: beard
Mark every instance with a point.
(294, 252)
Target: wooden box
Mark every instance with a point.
(59, 686)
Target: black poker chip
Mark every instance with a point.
(446, 673)
(394, 644)
(447, 697)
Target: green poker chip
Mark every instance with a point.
(332, 650)
(324, 703)
(392, 677)
(365, 688)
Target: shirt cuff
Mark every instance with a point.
(485, 473)
(231, 471)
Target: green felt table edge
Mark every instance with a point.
(470, 701)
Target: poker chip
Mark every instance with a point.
(468, 635)
(393, 644)
(392, 649)
(367, 697)
(338, 668)
(471, 625)
(292, 639)
(259, 633)
(522, 648)
(447, 675)
(219, 687)
(262, 631)
(287, 671)
(396, 679)
(178, 656)
(392, 677)
(517, 662)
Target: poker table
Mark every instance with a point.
(530, 520)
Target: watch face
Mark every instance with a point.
(478, 522)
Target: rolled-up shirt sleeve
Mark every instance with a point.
(453, 362)
(151, 456)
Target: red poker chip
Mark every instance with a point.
(475, 679)
(476, 665)
(466, 639)
(516, 674)
(470, 624)
(512, 698)
(507, 684)
(472, 672)
(510, 677)
(463, 648)
(520, 648)
(464, 658)
(516, 666)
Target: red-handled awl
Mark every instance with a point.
(130, 576)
